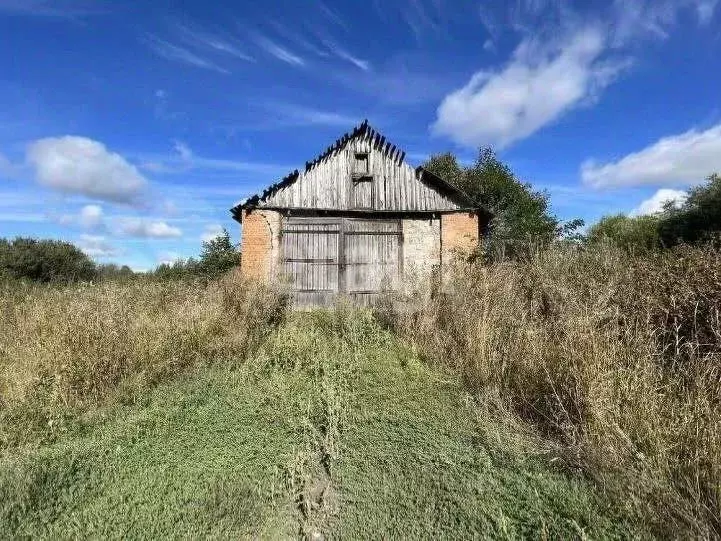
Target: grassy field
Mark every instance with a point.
(570, 395)
(331, 427)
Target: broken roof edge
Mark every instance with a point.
(379, 143)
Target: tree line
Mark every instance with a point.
(55, 261)
(522, 221)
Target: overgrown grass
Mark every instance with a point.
(63, 348)
(332, 427)
(519, 400)
(616, 359)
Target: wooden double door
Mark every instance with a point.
(324, 257)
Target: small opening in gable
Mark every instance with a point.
(360, 166)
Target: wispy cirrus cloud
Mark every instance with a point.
(320, 44)
(332, 16)
(278, 51)
(341, 53)
(417, 15)
(630, 20)
(177, 53)
(548, 76)
(211, 41)
(184, 159)
(305, 43)
(705, 10)
(285, 114)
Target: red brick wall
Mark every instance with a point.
(259, 244)
(459, 234)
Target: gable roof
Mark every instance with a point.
(380, 144)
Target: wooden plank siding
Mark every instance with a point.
(321, 258)
(336, 183)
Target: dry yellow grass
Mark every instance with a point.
(76, 344)
(618, 360)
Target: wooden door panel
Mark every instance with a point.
(358, 257)
(372, 255)
(310, 261)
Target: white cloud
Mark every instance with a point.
(97, 246)
(655, 18)
(177, 53)
(80, 165)
(168, 258)
(211, 231)
(183, 151)
(705, 10)
(91, 216)
(184, 159)
(345, 55)
(213, 42)
(139, 227)
(281, 53)
(546, 78)
(682, 159)
(534, 89)
(656, 202)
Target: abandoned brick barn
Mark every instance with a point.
(358, 220)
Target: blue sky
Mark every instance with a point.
(130, 128)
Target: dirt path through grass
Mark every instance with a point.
(333, 428)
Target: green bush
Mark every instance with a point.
(698, 219)
(521, 215)
(44, 261)
(630, 234)
(218, 257)
(111, 271)
(695, 222)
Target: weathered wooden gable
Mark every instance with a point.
(362, 172)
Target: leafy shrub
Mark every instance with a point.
(111, 271)
(218, 256)
(698, 219)
(44, 261)
(520, 213)
(631, 234)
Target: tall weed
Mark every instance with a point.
(63, 347)
(616, 358)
